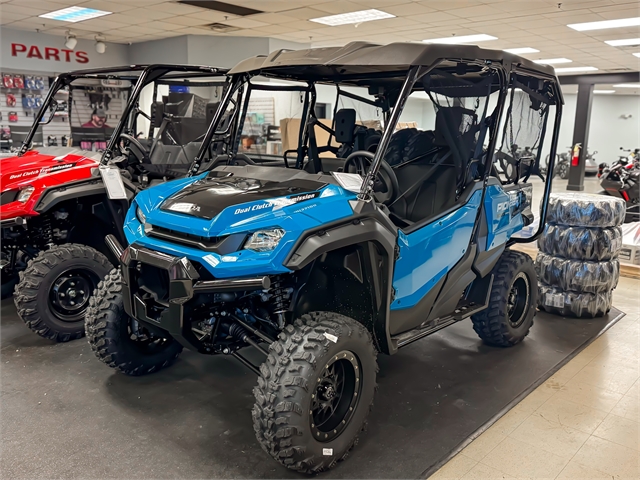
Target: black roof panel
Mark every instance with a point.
(362, 57)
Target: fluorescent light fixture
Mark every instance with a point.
(576, 69)
(75, 14)
(621, 22)
(604, 91)
(520, 51)
(636, 54)
(627, 85)
(553, 61)
(462, 39)
(360, 16)
(625, 42)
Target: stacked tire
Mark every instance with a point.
(577, 265)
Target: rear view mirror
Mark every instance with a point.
(157, 114)
(53, 108)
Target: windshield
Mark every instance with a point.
(92, 100)
(154, 116)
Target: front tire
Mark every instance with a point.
(512, 301)
(315, 391)
(54, 290)
(120, 341)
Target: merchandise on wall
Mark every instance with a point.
(21, 96)
(84, 110)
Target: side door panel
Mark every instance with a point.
(425, 257)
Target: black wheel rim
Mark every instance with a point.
(335, 396)
(70, 293)
(518, 300)
(144, 341)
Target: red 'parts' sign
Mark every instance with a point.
(49, 53)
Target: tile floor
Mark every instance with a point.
(582, 423)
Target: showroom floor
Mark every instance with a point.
(581, 423)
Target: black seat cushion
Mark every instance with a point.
(436, 194)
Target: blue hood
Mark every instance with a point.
(238, 200)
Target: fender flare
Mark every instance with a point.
(359, 230)
(82, 188)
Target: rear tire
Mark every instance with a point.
(110, 332)
(315, 391)
(53, 293)
(512, 301)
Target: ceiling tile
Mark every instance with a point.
(187, 21)
(408, 9)
(148, 13)
(305, 13)
(176, 8)
(23, 9)
(273, 18)
(211, 16)
(245, 22)
(7, 17)
(108, 6)
(334, 8)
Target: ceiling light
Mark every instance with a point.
(462, 39)
(621, 22)
(604, 91)
(625, 42)
(627, 85)
(520, 51)
(576, 69)
(360, 16)
(101, 47)
(553, 61)
(75, 14)
(70, 41)
(636, 54)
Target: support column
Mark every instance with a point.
(581, 135)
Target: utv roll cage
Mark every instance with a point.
(139, 75)
(391, 73)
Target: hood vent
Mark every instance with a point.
(221, 27)
(222, 7)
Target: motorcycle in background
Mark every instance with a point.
(622, 180)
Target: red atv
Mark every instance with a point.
(55, 208)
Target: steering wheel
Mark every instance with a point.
(140, 152)
(385, 185)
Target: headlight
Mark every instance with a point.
(141, 216)
(25, 194)
(264, 240)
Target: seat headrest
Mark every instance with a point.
(452, 119)
(345, 125)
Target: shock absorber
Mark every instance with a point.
(279, 298)
(47, 231)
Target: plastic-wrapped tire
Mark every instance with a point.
(585, 210)
(573, 304)
(578, 275)
(581, 243)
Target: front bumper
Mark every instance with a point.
(13, 222)
(156, 288)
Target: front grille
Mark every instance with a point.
(221, 245)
